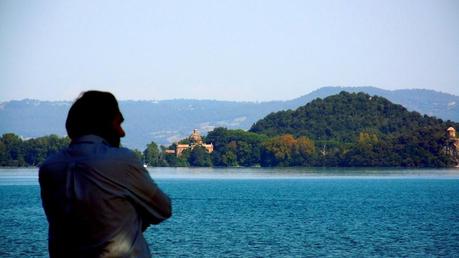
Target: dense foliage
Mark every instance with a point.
(348, 129)
(152, 155)
(16, 152)
(165, 120)
(235, 147)
(355, 129)
(342, 117)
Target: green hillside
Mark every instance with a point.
(356, 129)
(342, 117)
(344, 130)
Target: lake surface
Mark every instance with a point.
(272, 213)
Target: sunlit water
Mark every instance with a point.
(272, 213)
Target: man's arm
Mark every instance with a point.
(153, 204)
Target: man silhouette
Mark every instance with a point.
(98, 198)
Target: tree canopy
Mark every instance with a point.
(348, 129)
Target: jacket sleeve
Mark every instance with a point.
(152, 203)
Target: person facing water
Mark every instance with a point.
(98, 198)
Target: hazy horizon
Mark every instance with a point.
(210, 99)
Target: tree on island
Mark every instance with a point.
(348, 129)
(199, 157)
(16, 152)
(151, 155)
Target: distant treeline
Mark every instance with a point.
(240, 148)
(234, 148)
(16, 152)
(344, 130)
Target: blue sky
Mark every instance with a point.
(226, 50)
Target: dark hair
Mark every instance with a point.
(93, 113)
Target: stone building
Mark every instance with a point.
(451, 132)
(195, 139)
(452, 145)
(454, 141)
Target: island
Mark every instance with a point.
(342, 130)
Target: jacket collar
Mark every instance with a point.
(90, 138)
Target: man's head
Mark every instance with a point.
(95, 112)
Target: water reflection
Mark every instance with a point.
(29, 176)
(300, 173)
(18, 176)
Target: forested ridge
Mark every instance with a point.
(18, 152)
(347, 129)
(342, 117)
(166, 121)
(356, 129)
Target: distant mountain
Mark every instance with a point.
(429, 102)
(164, 121)
(169, 120)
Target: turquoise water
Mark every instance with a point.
(273, 213)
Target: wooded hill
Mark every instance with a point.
(345, 130)
(167, 121)
(356, 129)
(342, 117)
